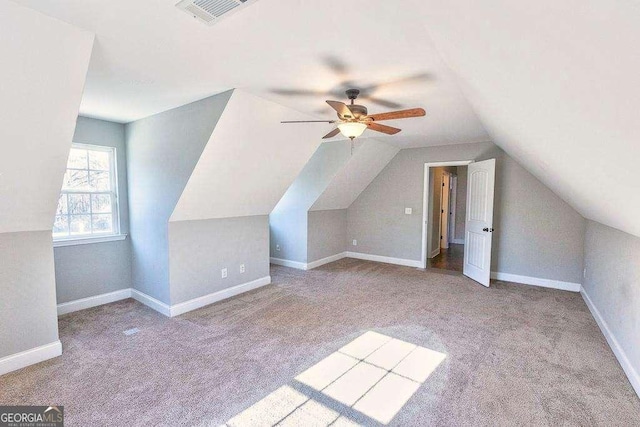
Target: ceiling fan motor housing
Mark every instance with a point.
(358, 110)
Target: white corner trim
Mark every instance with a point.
(287, 263)
(627, 367)
(535, 281)
(30, 357)
(145, 299)
(435, 253)
(457, 241)
(88, 240)
(81, 304)
(385, 259)
(184, 307)
(326, 260)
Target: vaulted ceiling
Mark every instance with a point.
(553, 83)
(44, 66)
(150, 56)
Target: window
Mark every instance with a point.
(88, 204)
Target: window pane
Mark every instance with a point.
(60, 226)
(80, 224)
(99, 160)
(101, 203)
(102, 223)
(62, 205)
(100, 181)
(77, 159)
(76, 180)
(79, 204)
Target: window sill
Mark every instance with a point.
(88, 240)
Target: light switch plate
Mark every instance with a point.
(408, 211)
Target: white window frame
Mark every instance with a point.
(115, 205)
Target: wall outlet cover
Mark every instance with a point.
(408, 211)
(277, 247)
(224, 273)
(355, 242)
(242, 269)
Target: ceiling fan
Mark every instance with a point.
(354, 119)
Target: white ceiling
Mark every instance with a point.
(41, 93)
(553, 83)
(556, 84)
(367, 161)
(235, 173)
(149, 57)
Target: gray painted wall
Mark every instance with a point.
(162, 151)
(28, 312)
(537, 233)
(199, 250)
(461, 202)
(88, 270)
(288, 221)
(84, 271)
(612, 283)
(327, 233)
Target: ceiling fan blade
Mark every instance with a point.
(342, 109)
(415, 78)
(298, 92)
(379, 101)
(382, 128)
(331, 134)
(394, 115)
(308, 121)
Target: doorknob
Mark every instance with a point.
(488, 230)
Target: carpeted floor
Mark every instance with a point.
(515, 354)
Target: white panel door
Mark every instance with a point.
(479, 221)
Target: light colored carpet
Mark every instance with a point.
(515, 354)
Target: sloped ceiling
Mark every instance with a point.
(361, 168)
(153, 53)
(44, 64)
(556, 86)
(317, 174)
(248, 163)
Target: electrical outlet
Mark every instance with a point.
(242, 270)
(408, 211)
(355, 242)
(224, 273)
(278, 248)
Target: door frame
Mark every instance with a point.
(445, 209)
(453, 205)
(425, 201)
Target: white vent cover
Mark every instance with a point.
(211, 11)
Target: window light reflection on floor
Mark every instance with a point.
(374, 374)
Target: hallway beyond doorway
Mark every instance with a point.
(451, 259)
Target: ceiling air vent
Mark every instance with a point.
(211, 11)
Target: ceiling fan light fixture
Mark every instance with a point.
(352, 129)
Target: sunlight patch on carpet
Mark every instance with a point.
(374, 375)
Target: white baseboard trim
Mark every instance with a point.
(535, 281)
(149, 301)
(83, 303)
(385, 259)
(458, 241)
(184, 307)
(287, 263)
(434, 253)
(632, 374)
(324, 261)
(193, 304)
(30, 357)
